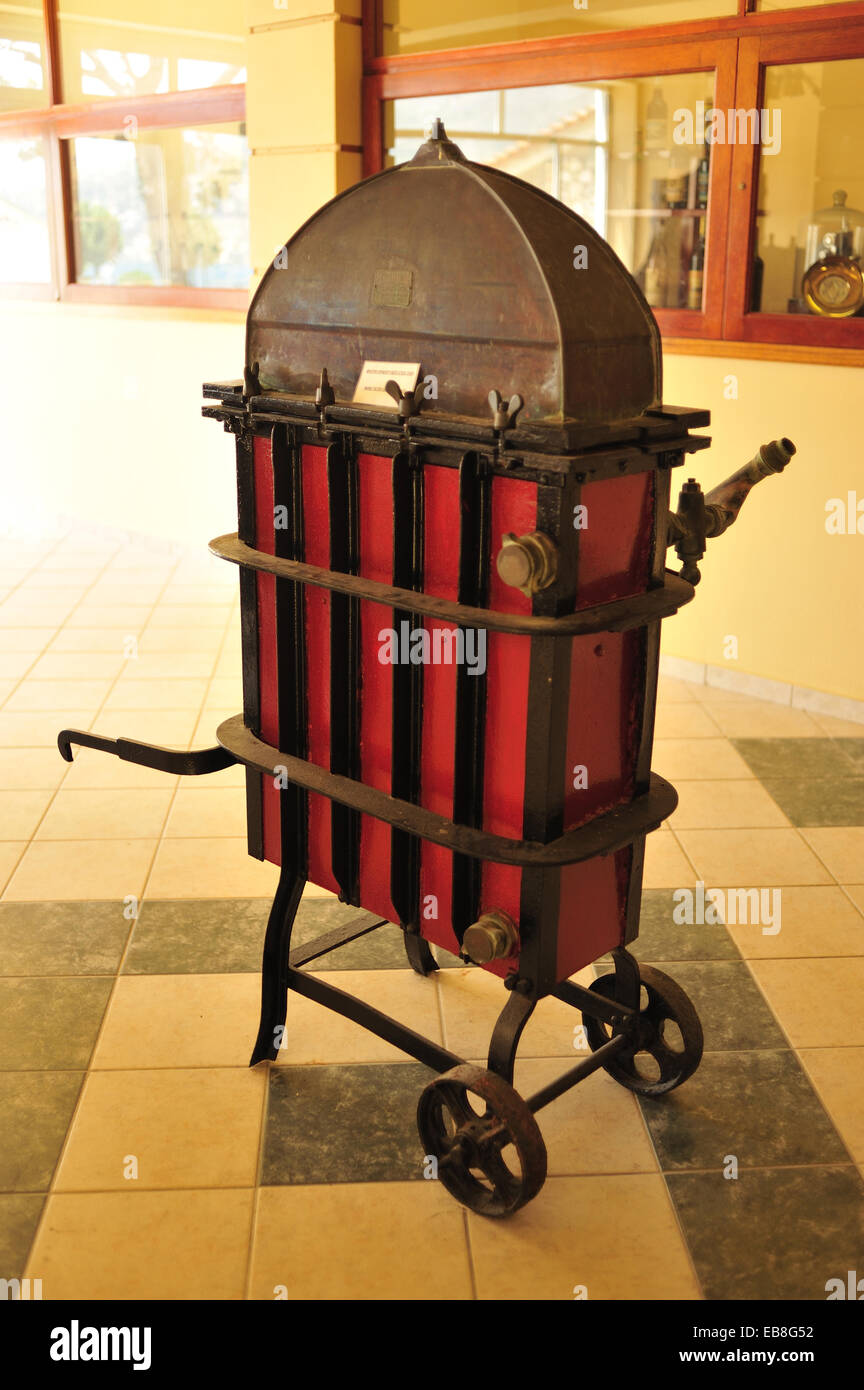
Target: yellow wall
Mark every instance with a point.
(101, 414)
(791, 593)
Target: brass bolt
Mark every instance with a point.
(529, 563)
(493, 937)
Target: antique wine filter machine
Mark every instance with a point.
(453, 481)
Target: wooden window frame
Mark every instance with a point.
(738, 47)
(59, 123)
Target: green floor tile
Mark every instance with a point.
(328, 1124)
(50, 1024)
(84, 938)
(734, 1015)
(756, 1106)
(819, 801)
(795, 757)
(19, 1217)
(35, 1111)
(191, 937)
(777, 1233)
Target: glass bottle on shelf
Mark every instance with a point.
(829, 251)
(696, 272)
(655, 276)
(656, 124)
(703, 173)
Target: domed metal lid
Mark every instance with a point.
(484, 280)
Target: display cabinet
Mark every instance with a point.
(719, 154)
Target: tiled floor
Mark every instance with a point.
(142, 1158)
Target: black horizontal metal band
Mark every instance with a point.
(602, 835)
(617, 616)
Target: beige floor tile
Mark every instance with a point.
(841, 848)
(14, 665)
(198, 1128)
(101, 617)
(34, 695)
(818, 1003)
(179, 1021)
(313, 890)
(209, 721)
(178, 615)
(316, 1034)
(25, 639)
(752, 858)
(813, 922)
(684, 721)
(75, 870)
(191, 595)
(10, 854)
(763, 720)
(171, 728)
(210, 868)
(63, 666)
(839, 728)
(471, 1001)
(616, 1237)
(595, 1128)
(671, 691)
(207, 811)
(171, 666)
(172, 639)
(14, 614)
(93, 770)
(6, 689)
(20, 812)
(225, 692)
(129, 693)
(40, 730)
(75, 641)
(35, 594)
(666, 864)
(856, 893)
(722, 805)
(357, 1242)
(106, 815)
(836, 1073)
(31, 768)
(698, 759)
(144, 1245)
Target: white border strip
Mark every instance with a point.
(762, 688)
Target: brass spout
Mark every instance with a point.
(699, 517)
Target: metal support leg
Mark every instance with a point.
(627, 979)
(420, 958)
(275, 965)
(506, 1035)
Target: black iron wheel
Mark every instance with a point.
(665, 1039)
(489, 1150)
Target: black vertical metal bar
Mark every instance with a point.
(249, 635)
(344, 661)
(408, 527)
(546, 742)
(290, 639)
(474, 555)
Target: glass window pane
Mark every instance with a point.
(809, 218)
(116, 48)
(22, 58)
(628, 155)
(25, 249)
(167, 208)
(414, 26)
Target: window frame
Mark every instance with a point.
(60, 122)
(738, 47)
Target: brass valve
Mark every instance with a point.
(493, 937)
(529, 563)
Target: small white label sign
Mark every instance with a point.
(374, 377)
